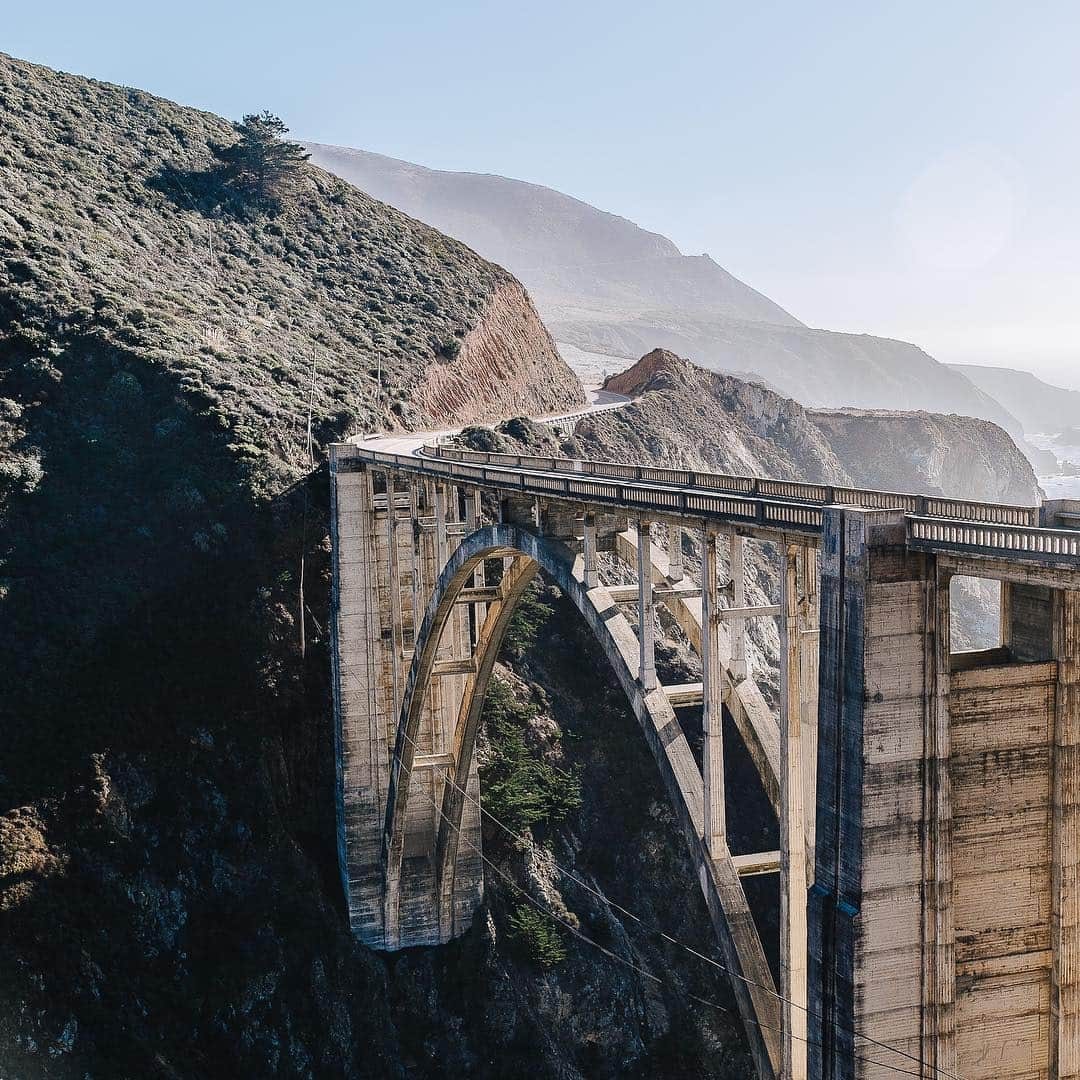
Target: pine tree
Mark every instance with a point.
(262, 164)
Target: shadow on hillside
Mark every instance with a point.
(148, 598)
(205, 191)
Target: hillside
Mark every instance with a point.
(610, 291)
(1040, 407)
(168, 890)
(105, 233)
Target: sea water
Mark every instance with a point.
(1059, 486)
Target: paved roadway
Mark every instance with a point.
(409, 442)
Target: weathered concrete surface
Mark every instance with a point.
(943, 915)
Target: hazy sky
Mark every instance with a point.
(909, 169)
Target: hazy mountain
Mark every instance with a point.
(1039, 406)
(576, 260)
(608, 288)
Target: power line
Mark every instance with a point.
(637, 968)
(656, 931)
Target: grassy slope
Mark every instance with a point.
(104, 232)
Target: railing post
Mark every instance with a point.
(793, 959)
(712, 716)
(646, 648)
(675, 559)
(592, 577)
(738, 626)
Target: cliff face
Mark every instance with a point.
(931, 454)
(505, 366)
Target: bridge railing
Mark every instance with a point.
(932, 524)
(655, 496)
(787, 490)
(1006, 541)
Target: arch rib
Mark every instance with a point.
(717, 874)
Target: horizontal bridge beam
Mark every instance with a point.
(454, 667)
(453, 528)
(623, 594)
(488, 594)
(681, 695)
(763, 862)
(760, 611)
(432, 761)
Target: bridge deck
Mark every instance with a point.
(757, 504)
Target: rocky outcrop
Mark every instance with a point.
(685, 416)
(929, 453)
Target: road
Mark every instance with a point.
(409, 442)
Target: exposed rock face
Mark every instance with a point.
(684, 415)
(504, 367)
(928, 453)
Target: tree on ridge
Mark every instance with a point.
(262, 164)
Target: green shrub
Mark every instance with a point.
(536, 937)
(518, 787)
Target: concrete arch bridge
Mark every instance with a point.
(928, 801)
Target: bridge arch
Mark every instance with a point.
(529, 553)
(881, 725)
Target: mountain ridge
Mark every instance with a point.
(621, 298)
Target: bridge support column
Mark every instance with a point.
(793, 970)
(882, 953)
(646, 632)
(675, 554)
(712, 716)
(442, 550)
(738, 626)
(417, 558)
(809, 643)
(473, 521)
(1065, 850)
(393, 552)
(592, 577)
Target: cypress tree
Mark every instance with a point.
(262, 164)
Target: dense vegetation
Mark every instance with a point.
(169, 897)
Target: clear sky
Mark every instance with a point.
(903, 168)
